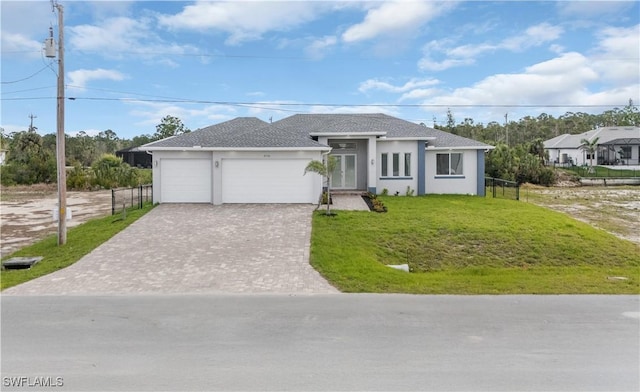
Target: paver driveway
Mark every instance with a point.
(192, 248)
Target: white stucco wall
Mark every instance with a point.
(397, 184)
(464, 184)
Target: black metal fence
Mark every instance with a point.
(497, 187)
(123, 198)
(605, 172)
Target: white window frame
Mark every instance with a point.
(384, 165)
(450, 173)
(403, 163)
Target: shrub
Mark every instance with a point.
(79, 178)
(111, 172)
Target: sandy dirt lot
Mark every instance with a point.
(614, 209)
(26, 213)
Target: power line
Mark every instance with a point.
(28, 77)
(25, 90)
(328, 104)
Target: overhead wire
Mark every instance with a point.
(27, 77)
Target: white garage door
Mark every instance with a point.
(267, 181)
(185, 181)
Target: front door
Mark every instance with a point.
(344, 174)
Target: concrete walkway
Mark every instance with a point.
(191, 248)
(348, 203)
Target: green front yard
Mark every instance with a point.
(470, 245)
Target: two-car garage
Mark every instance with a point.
(220, 179)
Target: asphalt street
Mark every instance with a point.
(320, 342)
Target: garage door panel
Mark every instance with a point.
(185, 180)
(266, 181)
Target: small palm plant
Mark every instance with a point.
(325, 169)
(590, 147)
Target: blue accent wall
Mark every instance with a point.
(480, 174)
(421, 167)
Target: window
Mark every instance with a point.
(449, 164)
(385, 163)
(625, 152)
(407, 165)
(396, 164)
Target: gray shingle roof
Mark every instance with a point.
(211, 135)
(295, 131)
(392, 127)
(604, 135)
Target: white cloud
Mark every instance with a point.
(383, 108)
(419, 93)
(593, 9)
(243, 21)
(395, 17)
(122, 36)
(193, 118)
(533, 36)
(564, 80)
(466, 54)
(18, 45)
(617, 55)
(376, 84)
(318, 48)
(79, 78)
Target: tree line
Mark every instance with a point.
(519, 154)
(31, 157)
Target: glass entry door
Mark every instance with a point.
(344, 174)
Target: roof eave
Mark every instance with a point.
(319, 148)
(407, 138)
(347, 134)
(487, 147)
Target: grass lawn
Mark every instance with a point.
(470, 245)
(81, 240)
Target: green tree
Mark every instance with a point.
(325, 169)
(169, 126)
(29, 162)
(590, 146)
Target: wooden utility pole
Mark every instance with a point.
(31, 117)
(506, 126)
(60, 142)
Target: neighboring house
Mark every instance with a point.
(246, 160)
(135, 157)
(616, 146)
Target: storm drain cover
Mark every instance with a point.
(21, 262)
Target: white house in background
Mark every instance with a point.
(246, 160)
(3, 156)
(616, 146)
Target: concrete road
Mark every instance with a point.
(321, 342)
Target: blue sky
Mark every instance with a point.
(128, 64)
